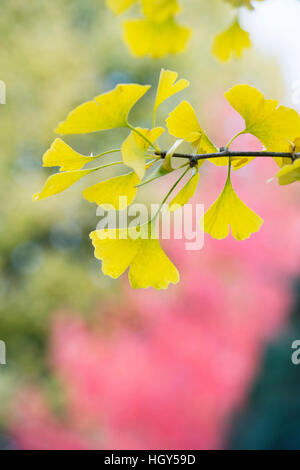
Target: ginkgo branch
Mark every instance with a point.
(275, 127)
(194, 158)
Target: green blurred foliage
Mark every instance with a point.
(270, 421)
(55, 55)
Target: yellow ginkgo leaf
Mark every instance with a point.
(116, 250)
(185, 194)
(229, 211)
(134, 149)
(59, 182)
(152, 268)
(119, 249)
(119, 6)
(60, 154)
(160, 10)
(156, 39)
(274, 126)
(183, 124)
(106, 111)
(289, 173)
(118, 192)
(168, 87)
(232, 42)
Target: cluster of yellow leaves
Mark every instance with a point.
(149, 266)
(157, 33)
(138, 248)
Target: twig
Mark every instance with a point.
(194, 158)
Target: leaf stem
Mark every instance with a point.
(154, 118)
(169, 194)
(158, 176)
(229, 169)
(106, 166)
(149, 163)
(233, 139)
(106, 153)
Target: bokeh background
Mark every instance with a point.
(91, 363)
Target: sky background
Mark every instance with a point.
(275, 31)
